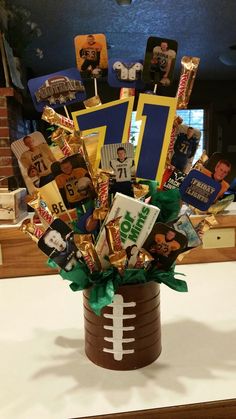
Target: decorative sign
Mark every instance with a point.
(112, 122)
(91, 55)
(174, 180)
(125, 74)
(199, 190)
(57, 89)
(157, 115)
(159, 60)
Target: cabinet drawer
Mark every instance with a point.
(219, 238)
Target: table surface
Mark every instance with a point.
(45, 374)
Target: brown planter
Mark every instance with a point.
(127, 335)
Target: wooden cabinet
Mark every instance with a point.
(20, 256)
(218, 243)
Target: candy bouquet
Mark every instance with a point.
(108, 216)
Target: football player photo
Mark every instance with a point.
(119, 158)
(73, 180)
(58, 243)
(35, 160)
(159, 60)
(164, 244)
(91, 55)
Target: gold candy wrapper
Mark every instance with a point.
(53, 118)
(119, 260)
(59, 137)
(189, 67)
(90, 256)
(102, 187)
(117, 255)
(144, 260)
(140, 191)
(80, 238)
(201, 161)
(92, 101)
(205, 225)
(31, 230)
(40, 206)
(177, 121)
(113, 235)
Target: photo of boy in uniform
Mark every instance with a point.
(185, 147)
(164, 244)
(124, 170)
(219, 173)
(91, 55)
(90, 52)
(58, 243)
(73, 180)
(35, 160)
(161, 62)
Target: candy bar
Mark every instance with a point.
(50, 116)
(187, 77)
(137, 220)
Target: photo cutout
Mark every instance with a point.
(222, 168)
(91, 55)
(199, 190)
(58, 243)
(183, 225)
(120, 159)
(73, 180)
(57, 89)
(185, 147)
(159, 62)
(125, 74)
(164, 244)
(174, 181)
(35, 159)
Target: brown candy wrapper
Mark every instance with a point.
(144, 259)
(189, 67)
(102, 187)
(53, 118)
(31, 230)
(92, 101)
(89, 255)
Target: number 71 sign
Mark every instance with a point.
(112, 123)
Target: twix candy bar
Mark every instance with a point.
(189, 67)
(40, 206)
(117, 255)
(102, 186)
(33, 231)
(50, 116)
(59, 137)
